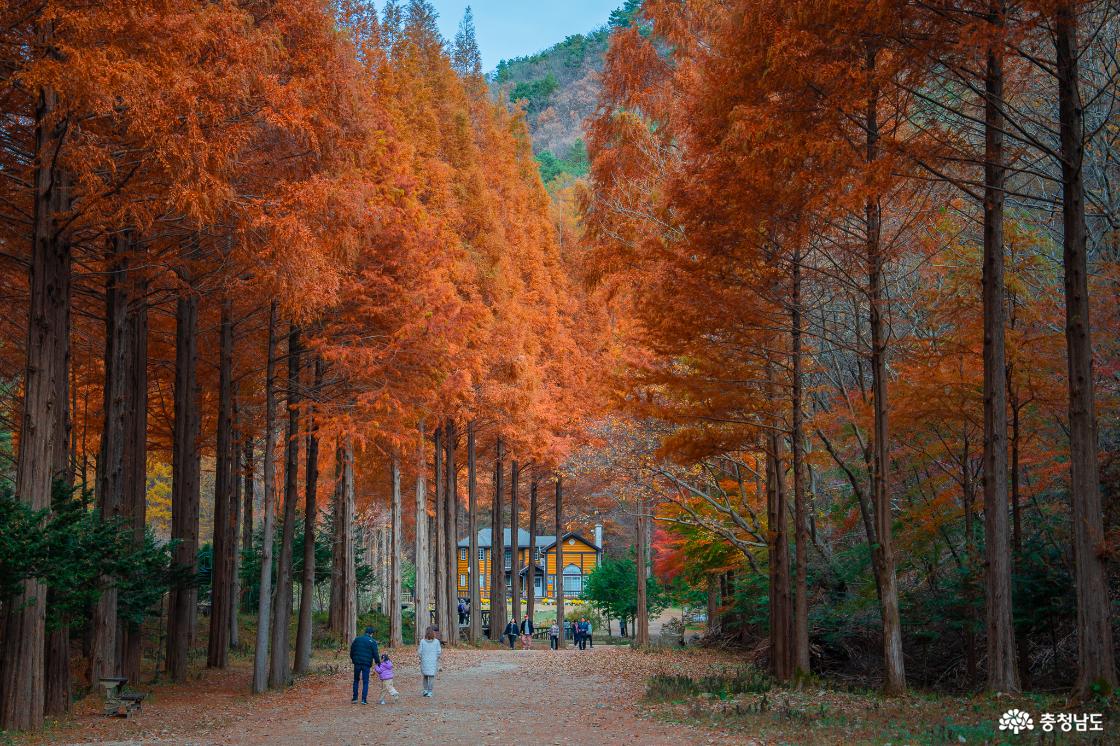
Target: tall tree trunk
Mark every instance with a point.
(894, 668)
(1002, 674)
(268, 510)
(970, 621)
(530, 576)
(801, 510)
(185, 473)
(235, 537)
(225, 534)
(497, 550)
(396, 538)
(22, 681)
(105, 643)
(515, 544)
(713, 603)
(450, 536)
(282, 608)
(344, 612)
(422, 589)
(1022, 651)
(474, 633)
(247, 524)
(310, 519)
(1095, 652)
(440, 547)
(136, 459)
(57, 687)
(559, 580)
(641, 622)
(781, 653)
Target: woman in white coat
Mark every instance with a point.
(430, 652)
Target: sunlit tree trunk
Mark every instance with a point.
(268, 510)
(1095, 652)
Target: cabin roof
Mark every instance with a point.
(571, 535)
(484, 539)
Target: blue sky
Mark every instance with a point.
(512, 28)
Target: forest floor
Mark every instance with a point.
(482, 696)
(601, 695)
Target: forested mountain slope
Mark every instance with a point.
(560, 87)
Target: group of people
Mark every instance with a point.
(580, 632)
(464, 611)
(523, 631)
(366, 656)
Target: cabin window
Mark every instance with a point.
(573, 580)
(509, 558)
(481, 554)
(462, 580)
(463, 554)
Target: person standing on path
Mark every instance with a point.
(554, 636)
(582, 627)
(430, 651)
(363, 653)
(511, 633)
(590, 635)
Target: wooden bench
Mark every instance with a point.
(119, 703)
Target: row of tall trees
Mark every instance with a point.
(848, 239)
(275, 245)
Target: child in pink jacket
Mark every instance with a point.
(385, 673)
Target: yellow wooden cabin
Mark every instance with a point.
(580, 555)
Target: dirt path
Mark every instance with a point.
(481, 697)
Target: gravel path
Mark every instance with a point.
(481, 697)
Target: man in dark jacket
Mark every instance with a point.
(511, 633)
(527, 627)
(363, 654)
